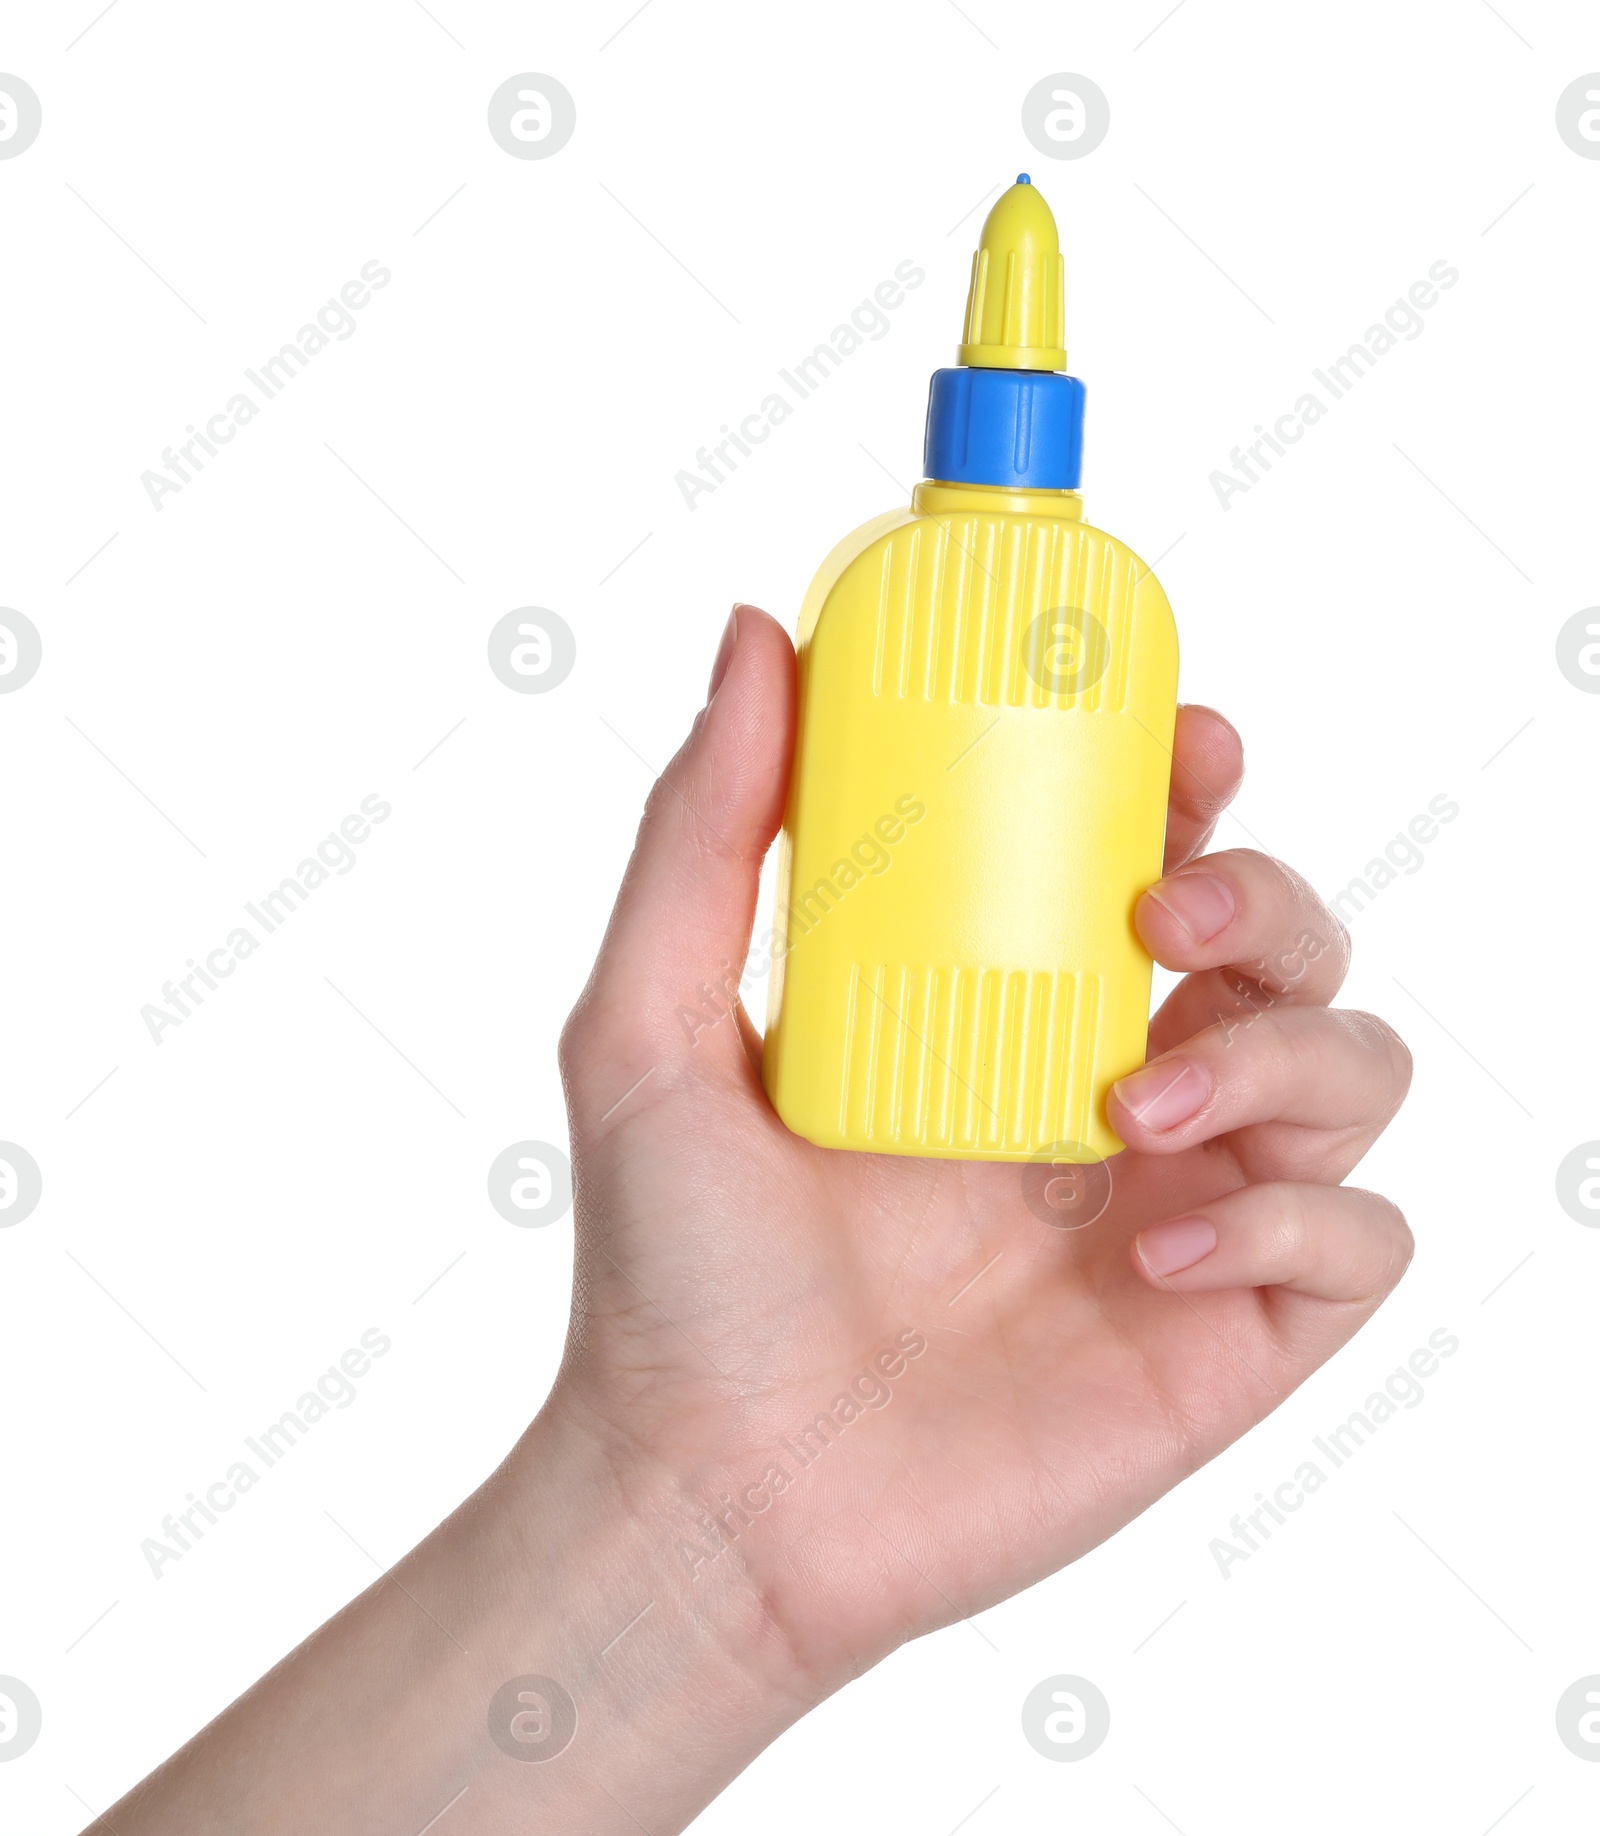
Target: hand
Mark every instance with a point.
(734, 1280)
(679, 1554)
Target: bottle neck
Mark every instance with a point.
(934, 497)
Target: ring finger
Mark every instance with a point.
(1302, 1091)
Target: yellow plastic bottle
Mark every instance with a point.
(987, 692)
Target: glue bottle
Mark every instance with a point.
(987, 693)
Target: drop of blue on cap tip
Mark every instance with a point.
(1023, 179)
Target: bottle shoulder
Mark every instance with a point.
(839, 559)
(980, 554)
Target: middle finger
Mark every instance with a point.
(1252, 934)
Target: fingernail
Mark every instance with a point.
(719, 669)
(1163, 1094)
(1164, 1249)
(1200, 902)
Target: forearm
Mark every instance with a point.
(382, 1719)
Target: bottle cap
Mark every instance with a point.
(1016, 316)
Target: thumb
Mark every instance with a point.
(667, 975)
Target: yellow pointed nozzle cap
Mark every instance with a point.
(1016, 317)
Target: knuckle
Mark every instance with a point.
(1377, 1037)
(1302, 936)
(1319, 933)
(588, 1039)
(1289, 893)
(572, 1047)
(660, 807)
(1400, 1245)
(1287, 1049)
(1240, 864)
(679, 809)
(1330, 931)
(1210, 794)
(1289, 1228)
(1273, 883)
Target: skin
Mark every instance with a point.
(1039, 1386)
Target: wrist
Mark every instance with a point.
(677, 1672)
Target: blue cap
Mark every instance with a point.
(1022, 428)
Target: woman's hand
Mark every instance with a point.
(1050, 1377)
(816, 1403)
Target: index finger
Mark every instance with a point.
(1207, 767)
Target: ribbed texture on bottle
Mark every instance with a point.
(985, 610)
(968, 1059)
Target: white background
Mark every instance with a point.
(275, 643)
